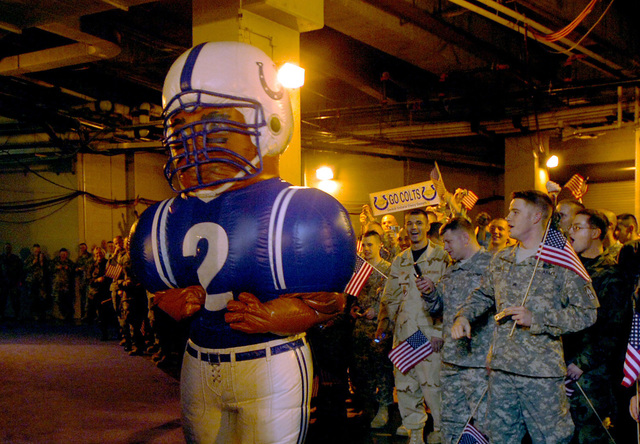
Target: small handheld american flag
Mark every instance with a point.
(632, 359)
(577, 185)
(113, 271)
(471, 435)
(557, 251)
(360, 275)
(469, 200)
(411, 351)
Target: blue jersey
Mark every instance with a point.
(268, 239)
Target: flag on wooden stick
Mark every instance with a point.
(632, 359)
(557, 250)
(362, 272)
(469, 200)
(577, 185)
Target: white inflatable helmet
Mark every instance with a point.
(225, 75)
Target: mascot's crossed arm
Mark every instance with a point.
(264, 259)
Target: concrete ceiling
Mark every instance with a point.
(421, 79)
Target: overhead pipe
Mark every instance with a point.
(539, 27)
(88, 48)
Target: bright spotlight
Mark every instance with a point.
(552, 161)
(324, 173)
(328, 186)
(291, 76)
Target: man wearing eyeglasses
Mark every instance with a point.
(594, 356)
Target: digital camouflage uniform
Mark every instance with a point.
(407, 311)
(463, 375)
(613, 251)
(98, 296)
(526, 388)
(599, 352)
(36, 293)
(82, 269)
(133, 305)
(62, 288)
(370, 368)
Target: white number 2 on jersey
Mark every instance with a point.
(217, 252)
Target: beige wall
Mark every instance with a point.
(359, 175)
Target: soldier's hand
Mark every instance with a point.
(370, 313)
(425, 285)
(574, 372)
(520, 315)
(461, 328)
(355, 312)
(437, 343)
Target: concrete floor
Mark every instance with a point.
(60, 384)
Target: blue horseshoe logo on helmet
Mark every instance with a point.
(275, 95)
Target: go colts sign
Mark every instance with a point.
(418, 195)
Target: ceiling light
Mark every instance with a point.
(552, 161)
(291, 76)
(324, 173)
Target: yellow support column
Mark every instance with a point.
(274, 26)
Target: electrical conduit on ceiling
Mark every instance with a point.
(521, 19)
(88, 48)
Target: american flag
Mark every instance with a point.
(411, 351)
(360, 275)
(557, 251)
(113, 271)
(577, 185)
(469, 200)
(632, 359)
(438, 183)
(471, 435)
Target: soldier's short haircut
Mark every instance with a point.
(63, 249)
(373, 233)
(596, 219)
(416, 212)
(538, 199)
(458, 223)
(572, 202)
(629, 219)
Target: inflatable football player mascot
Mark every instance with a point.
(272, 258)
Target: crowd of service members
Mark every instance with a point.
(97, 288)
(350, 351)
(607, 244)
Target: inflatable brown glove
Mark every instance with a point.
(288, 315)
(180, 303)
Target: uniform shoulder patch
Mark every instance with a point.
(589, 290)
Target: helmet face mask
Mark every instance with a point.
(200, 147)
(203, 89)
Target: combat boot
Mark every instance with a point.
(415, 436)
(381, 418)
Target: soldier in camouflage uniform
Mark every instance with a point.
(405, 308)
(63, 285)
(36, 294)
(82, 267)
(371, 371)
(526, 383)
(133, 305)
(595, 355)
(117, 258)
(463, 375)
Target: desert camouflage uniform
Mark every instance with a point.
(613, 251)
(599, 352)
(463, 376)
(371, 369)
(407, 311)
(526, 389)
(63, 288)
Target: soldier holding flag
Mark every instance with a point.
(526, 388)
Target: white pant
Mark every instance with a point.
(260, 400)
